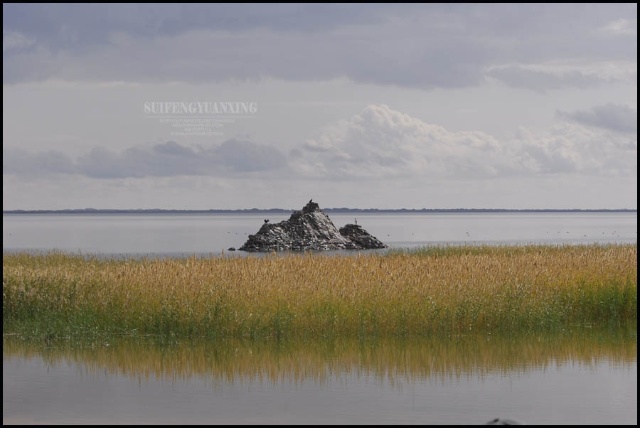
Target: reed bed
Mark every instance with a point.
(430, 291)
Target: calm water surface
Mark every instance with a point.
(583, 377)
(202, 234)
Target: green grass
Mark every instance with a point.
(430, 291)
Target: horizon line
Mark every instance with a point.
(344, 209)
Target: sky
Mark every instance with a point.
(237, 106)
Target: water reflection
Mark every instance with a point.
(577, 377)
(389, 359)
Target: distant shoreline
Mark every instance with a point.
(328, 210)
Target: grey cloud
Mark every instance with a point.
(245, 156)
(424, 46)
(160, 160)
(612, 117)
(540, 81)
(77, 26)
(313, 146)
(215, 56)
(172, 148)
(163, 160)
(21, 162)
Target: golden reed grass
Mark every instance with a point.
(401, 293)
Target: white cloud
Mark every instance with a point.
(381, 142)
(12, 40)
(622, 26)
(569, 148)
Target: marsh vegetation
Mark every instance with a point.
(420, 292)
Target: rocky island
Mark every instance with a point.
(309, 229)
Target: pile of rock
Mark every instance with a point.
(309, 229)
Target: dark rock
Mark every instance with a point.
(503, 421)
(232, 248)
(360, 236)
(309, 229)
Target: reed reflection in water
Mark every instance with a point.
(464, 376)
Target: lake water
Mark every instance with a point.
(204, 234)
(580, 377)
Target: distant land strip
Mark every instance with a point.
(327, 210)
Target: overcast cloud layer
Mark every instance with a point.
(430, 105)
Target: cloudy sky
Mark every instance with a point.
(354, 105)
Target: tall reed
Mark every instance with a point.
(443, 290)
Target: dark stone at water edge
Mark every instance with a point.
(309, 229)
